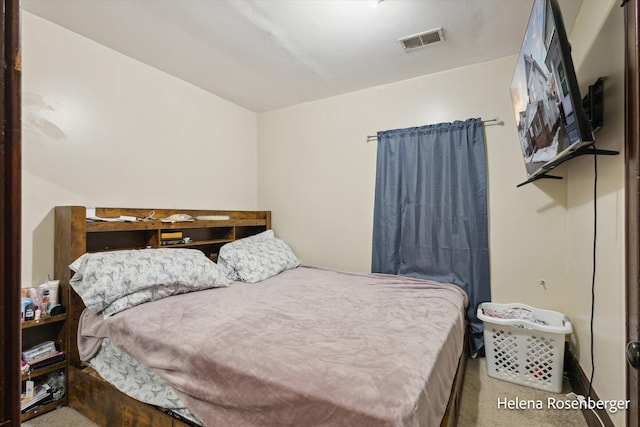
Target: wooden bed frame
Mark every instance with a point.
(88, 393)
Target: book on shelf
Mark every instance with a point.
(59, 356)
(181, 241)
(165, 242)
(171, 235)
(39, 352)
(41, 393)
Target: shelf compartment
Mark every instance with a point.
(249, 230)
(42, 409)
(105, 241)
(46, 332)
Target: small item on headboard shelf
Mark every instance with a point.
(171, 235)
(91, 216)
(181, 241)
(213, 217)
(121, 218)
(179, 217)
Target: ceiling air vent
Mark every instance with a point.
(422, 39)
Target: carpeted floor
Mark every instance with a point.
(480, 403)
(479, 406)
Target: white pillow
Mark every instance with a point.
(109, 282)
(257, 257)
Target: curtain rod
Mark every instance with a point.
(488, 122)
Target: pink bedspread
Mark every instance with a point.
(309, 347)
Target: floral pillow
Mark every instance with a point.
(110, 282)
(258, 257)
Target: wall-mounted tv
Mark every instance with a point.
(547, 105)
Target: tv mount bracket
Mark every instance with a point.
(580, 152)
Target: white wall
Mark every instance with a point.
(317, 173)
(101, 129)
(604, 58)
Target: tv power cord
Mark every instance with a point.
(581, 398)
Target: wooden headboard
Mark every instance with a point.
(74, 236)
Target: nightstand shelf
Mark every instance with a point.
(42, 371)
(44, 321)
(39, 410)
(35, 332)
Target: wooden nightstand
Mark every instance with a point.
(34, 332)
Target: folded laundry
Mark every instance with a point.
(517, 313)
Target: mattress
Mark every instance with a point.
(309, 346)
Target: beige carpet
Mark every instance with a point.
(479, 406)
(480, 403)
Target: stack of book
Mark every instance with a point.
(41, 394)
(173, 238)
(42, 355)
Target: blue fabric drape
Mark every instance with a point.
(430, 215)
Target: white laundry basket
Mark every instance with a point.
(522, 351)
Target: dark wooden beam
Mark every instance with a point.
(10, 213)
(632, 199)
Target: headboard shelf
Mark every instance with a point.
(74, 236)
(157, 225)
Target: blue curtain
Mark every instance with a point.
(430, 215)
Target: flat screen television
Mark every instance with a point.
(552, 124)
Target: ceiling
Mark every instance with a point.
(269, 54)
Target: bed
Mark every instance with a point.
(302, 346)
